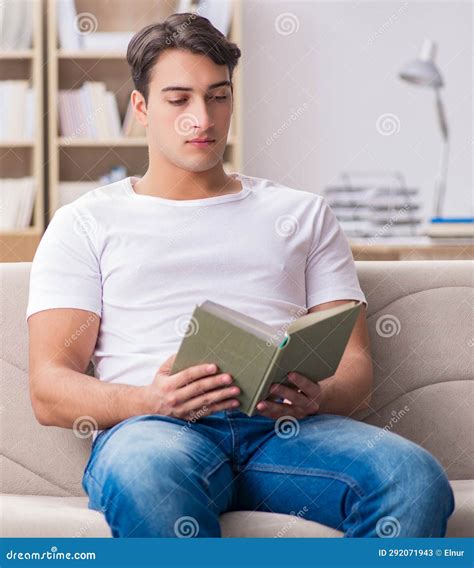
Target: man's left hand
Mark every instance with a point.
(299, 401)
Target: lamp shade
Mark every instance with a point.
(423, 71)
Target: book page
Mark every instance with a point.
(248, 323)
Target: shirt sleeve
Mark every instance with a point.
(330, 269)
(65, 271)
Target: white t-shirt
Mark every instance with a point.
(142, 263)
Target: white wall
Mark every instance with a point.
(312, 97)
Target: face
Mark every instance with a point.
(189, 97)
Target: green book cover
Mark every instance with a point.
(256, 355)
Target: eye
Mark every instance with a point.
(182, 101)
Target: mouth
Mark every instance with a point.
(201, 143)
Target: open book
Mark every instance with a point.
(257, 355)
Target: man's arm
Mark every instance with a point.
(61, 343)
(350, 388)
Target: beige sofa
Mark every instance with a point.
(420, 318)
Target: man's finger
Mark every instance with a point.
(291, 394)
(278, 409)
(301, 381)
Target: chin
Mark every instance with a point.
(201, 166)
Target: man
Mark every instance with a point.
(115, 278)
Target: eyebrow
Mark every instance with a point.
(213, 86)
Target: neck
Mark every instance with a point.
(171, 182)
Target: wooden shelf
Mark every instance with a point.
(17, 143)
(82, 54)
(17, 54)
(91, 142)
(15, 232)
(21, 158)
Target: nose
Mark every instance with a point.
(203, 117)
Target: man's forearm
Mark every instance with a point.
(349, 389)
(72, 395)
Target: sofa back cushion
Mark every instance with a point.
(420, 326)
(421, 336)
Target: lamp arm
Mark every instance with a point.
(443, 124)
(440, 189)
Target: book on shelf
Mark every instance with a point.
(16, 24)
(89, 112)
(17, 198)
(447, 227)
(106, 41)
(19, 122)
(78, 32)
(257, 354)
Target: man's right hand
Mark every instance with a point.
(197, 390)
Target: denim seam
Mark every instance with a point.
(213, 469)
(237, 442)
(306, 471)
(355, 510)
(233, 437)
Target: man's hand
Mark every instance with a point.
(344, 393)
(299, 401)
(195, 391)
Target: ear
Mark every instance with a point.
(139, 107)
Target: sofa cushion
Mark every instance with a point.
(69, 517)
(65, 517)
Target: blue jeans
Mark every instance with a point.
(158, 476)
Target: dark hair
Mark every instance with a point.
(179, 31)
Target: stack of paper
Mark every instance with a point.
(368, 211)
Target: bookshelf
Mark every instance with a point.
(78, 158)
(23, 158)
